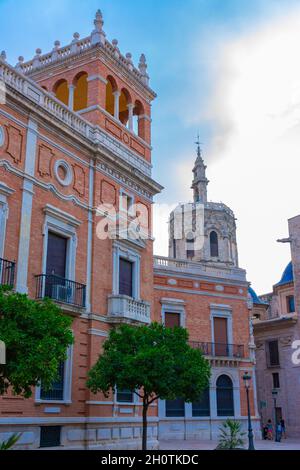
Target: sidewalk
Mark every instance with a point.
(285, 444)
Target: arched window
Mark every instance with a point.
(81, 91)
(125, 100)
(111, 88)
(61, 90)
(225, 403)
(214, 244)
(138, 125)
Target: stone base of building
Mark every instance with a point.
(93, 437)
(201, 429)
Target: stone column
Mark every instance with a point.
(71, 97)
(117, 95)
(130, 107)
(294, 232)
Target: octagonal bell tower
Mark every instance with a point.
(217, 230)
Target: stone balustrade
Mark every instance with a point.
(199, 269)
(122, 308)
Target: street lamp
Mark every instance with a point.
(246, 379)
(274, 396)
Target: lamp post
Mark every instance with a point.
(274, 396)
(246, 379)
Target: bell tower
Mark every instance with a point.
(200, 182)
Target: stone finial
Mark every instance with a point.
(20, 63)
(98, 35)
(143, 69)
(3, 56)
(129, 60)
(36, 60)
(76, 37)
(116, 48)
(55, 50)
(74, 46)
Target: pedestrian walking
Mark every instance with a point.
(283, 429)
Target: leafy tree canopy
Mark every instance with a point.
(36, 335)
(152, 361)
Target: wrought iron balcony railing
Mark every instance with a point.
(220, 350)
(7, 272)
(60, 290)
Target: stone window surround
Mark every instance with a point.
(169, 305)
(61, 223)
(221, 311)
(5, 192)
(67, 382)
(120, 250)
(130, 196)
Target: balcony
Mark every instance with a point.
(122, 308)
(232, 351)
(7, 272)
(60, 290)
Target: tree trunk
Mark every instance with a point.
(145, 411)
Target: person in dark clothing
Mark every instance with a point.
(283, 430)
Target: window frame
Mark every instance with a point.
(268, 342)
(122, 251)
(232, 397)
(67, 392)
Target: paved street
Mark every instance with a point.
(286, 444)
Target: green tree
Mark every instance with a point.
(153, 362)
(36, 335)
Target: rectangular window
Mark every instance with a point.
(276, 382)
(125, 277)
(190, 254)
(202, 406)
(124, 396)
(50, 436)
(220, 337)
(273, 353)
(56, 255)
(175, 408)
(172, 319)
(56, 392)
(290, 304)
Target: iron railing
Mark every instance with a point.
(220, 349)
(60, 289)
(7, 272)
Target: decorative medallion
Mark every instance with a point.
(63, 172)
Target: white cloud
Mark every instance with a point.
(254, 156)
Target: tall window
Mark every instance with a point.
(276, 381)
(221, 337)
(126, 277)
(273, 353)
(56, 392)
(214, 244)
(61, 90)
(290, 304)
(81, 91)
(225, 402)
(202, 406)
(175, 408)
(56, 255)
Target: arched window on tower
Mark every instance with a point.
(61, 90)
(138, 124)
(214, 244)
(81, 91)
(225, 402)
(111, 88)
(125, 101)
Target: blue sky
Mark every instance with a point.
(187, 43)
